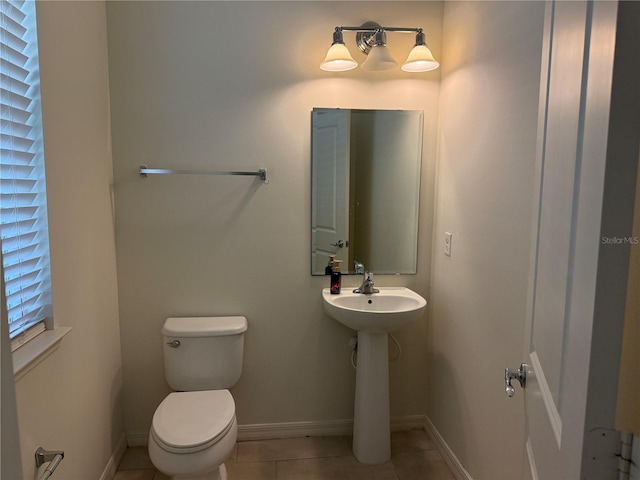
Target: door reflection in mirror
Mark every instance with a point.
(365, 175)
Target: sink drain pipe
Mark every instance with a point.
(354, 352)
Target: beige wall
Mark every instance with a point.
(486, 156)
(231, 85)
(72, 400)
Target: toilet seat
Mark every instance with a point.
(187, 422)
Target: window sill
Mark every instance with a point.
(31, 354)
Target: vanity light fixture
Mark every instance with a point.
(338, 58)
(371, 39)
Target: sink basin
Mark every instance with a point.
(373, 316)
(389, 310)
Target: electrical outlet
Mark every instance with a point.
(447, 244)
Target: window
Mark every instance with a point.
(23, 210)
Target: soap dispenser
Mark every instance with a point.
(328, 270)
(336, 277)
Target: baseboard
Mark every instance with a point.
(449, 457)
(137, 439)
(407, 423)
(322, 428)
(112, 465)
(265, 431)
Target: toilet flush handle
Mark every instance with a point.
(174, 343)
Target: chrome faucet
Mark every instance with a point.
(367, 280)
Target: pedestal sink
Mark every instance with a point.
(373, 316)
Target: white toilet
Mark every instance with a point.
(194, 429)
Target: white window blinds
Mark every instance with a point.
(23, 210)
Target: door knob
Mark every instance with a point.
(339, 244)
(510, 374)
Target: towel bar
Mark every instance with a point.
(144, 171)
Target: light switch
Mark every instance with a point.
(447, 244)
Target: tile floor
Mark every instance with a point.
(413, 457)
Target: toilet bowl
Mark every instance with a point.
(193, 433)
(194, 429)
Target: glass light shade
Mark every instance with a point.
(338, 59)
(420, 59)
(379, 59)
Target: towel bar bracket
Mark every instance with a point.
(43, 456)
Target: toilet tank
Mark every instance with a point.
(203, 353)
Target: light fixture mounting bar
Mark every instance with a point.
(374, 29)
(371, 33)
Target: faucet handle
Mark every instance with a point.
(371, 282)
(359, 268)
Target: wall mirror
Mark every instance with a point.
(365, 175)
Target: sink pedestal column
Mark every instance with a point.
(371, 426)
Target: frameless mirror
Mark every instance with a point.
(365, 175)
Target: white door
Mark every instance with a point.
(567, 293)
(330, 210)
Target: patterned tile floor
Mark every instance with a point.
(413, 457)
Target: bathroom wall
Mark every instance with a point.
(231, 85)
(383, 211)
(72, 400)
(486, 156)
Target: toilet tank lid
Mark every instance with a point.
(204, 326)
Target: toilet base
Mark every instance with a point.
(219, 474)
